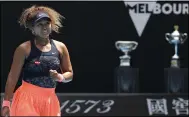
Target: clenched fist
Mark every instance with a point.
(54, 74)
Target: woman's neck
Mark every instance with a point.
(41, 41)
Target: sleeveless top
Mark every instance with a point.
(37, 65)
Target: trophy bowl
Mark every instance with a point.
(176, 37)
(173, 39)
(125, 47)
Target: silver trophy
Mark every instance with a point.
(125, 47)
(176, 38)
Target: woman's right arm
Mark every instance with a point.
(17, 64)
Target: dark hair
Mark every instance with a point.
(32, 11)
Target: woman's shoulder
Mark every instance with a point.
(24, 47)
(59, 43)
(25, 44)
(60, 46)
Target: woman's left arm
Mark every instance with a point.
(66, 66)
(66, 74)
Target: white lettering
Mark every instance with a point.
(86, 106)
(76, 106)
(168, 7)
(157, 106)
(180, 106)
(177, 9)
(157, 9)
(185, 9)
(140, 12)
(93, 104)
(106, 106)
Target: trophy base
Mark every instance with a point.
(176, 80)
(125, 61)
(175, 63)
(175, 57)
(126, 80)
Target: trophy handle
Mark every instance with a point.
(167, 37)
(136, 44)
(116, 45)
(183, 37)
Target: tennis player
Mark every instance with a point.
(42, 61)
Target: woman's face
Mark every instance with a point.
(42, 28)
